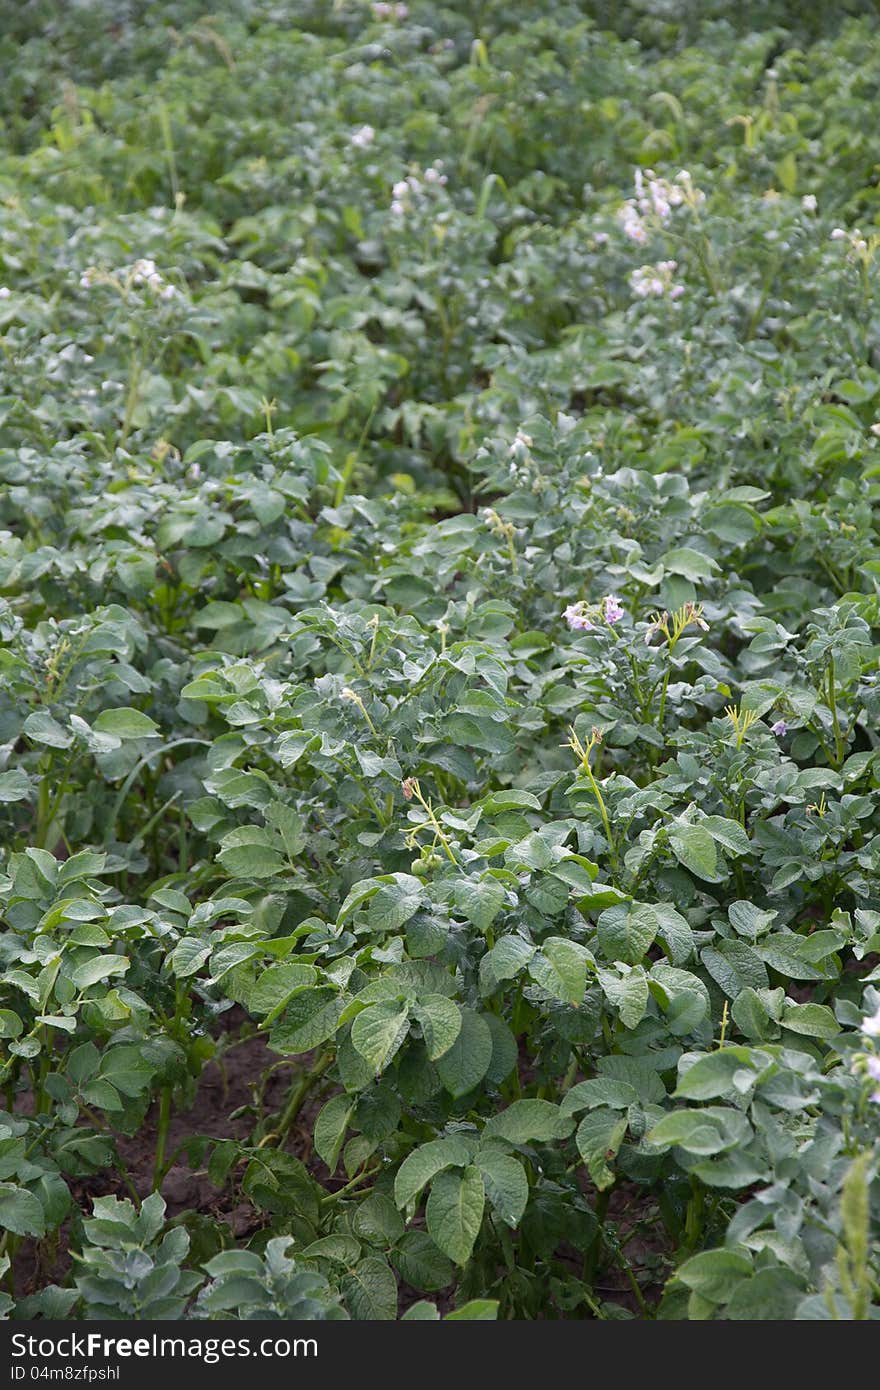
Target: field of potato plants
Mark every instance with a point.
(439, 700)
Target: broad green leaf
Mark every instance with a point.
(419, 1167)
(309, 1019)
(330, 1128)
(480, 900)
(378, 1032)
(454, 1212)
(599, 1136)
(441, 1023)
(560, 967)
(715, 1274)
(627, 931)
(20, 1211)
(527, 1122)
(694, 847)
(506, 1184)
(125, 723)
(466, 1062)
(370, 1291)
(421, 1264)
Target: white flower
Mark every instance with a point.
(400, 189)
(86, 280)
(809, 202)
(655, 281)
(5, 291)
(871, 1025)
(838, 234)
(397, 208)
(168, 292)
(363, 137)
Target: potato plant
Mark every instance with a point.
(439, 606)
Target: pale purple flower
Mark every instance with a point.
(5, 291)
(872, 1067)
(400, 189)
(576, 618)
(809, 202)
(613, 610)
(363, 137)
(780, 728)
(601, 238)
(871, 1025)
(655, 280)
(838, 234)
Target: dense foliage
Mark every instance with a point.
(438, 595)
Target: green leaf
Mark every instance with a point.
(713, 1074)
(378, 1032)
(694, 847)
(377, 1220)
(735, 967)
(506, 959)
(454, 1212)
(15, 785)
(480, 900)
(560, 967)
(20, 1211)
(466, 1062)
(528, 1121)
(727, 833)
(810, 1020)
(125, 723)
(99, 968)
(309, 1019)
(441, 1023)
(506, 1184)
(42, 728)
(714, 1274)
(419, 1167)
(627, 931)
(477, 1310)
(188, 956)
(771, 1295)
(370, 1291)
(599, 1136)
(421, 1264)
(330, 1127)
(692, 564)
(395, 903)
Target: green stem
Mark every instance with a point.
(162, 1136)
(297, 1098)
(839, 744)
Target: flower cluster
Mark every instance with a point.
(654, 202)
(656, 280)
(143, 274)
(363, 137)
(857, 247)
(381, 10)
(406, 192)
(868, 1063)
(584, 617)
(671, 626)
